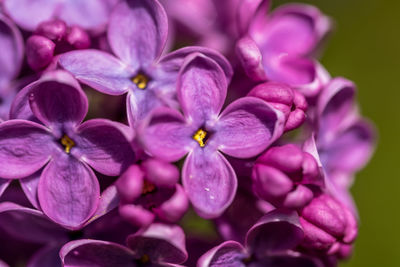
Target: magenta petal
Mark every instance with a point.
(174, 208)
(161, 242)
(22, 142)
(30, 185)
(137, 31)
(99, 70)
(278, 230)
(4, 183)
(68, 192)
(46, 257)
(21, 12)
(105, 146)
(247, 127)
(28, 224)
(210, 182)
(88, 252)
(229, 253)
(201, 88)
(109, 200)
(251, 59)
(12, 42)
(166, 135)
(58, 99)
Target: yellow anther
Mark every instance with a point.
(199, 136)
(68, 143)
(144, 259)
(140, 80)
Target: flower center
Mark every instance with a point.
(148, 188)
(141, 81)
(201, 137)
(67, 143)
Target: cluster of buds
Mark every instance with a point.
(237, 150)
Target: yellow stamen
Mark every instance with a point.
(67, 142)
(199, 136)
(144, 259)
(140, 80)
(148, 187)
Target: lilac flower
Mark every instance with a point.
(285, 175)
(158, 245)
(151, 190)
(137, 34)
(244, 129)
(277, 47)
(67, 188)
(270, 242)
(88, 14)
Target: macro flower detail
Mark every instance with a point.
(244, 129)
(68, 190)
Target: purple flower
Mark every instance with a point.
(137, 34)
(270, 242)
(88, 14)
(278, 47)
(151, 190)
(64, 147)
(158, 245)
(285, 175)
(244, 129)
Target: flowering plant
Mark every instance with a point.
(118, 143)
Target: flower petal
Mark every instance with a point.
(109, 200)
(68, 192)
(165, 135)
(201, 88)
(12, 42)
(247, 127)
(99, 70)
(174, 208)
(29, 185)
(58, 99)
(22, 142)
(4, 183)
(46, 257)
(88, 252)
(251, 59)
(137, 31)
(28, 224)
(229, 253)
(209, 181)
(105, 146)
(139, 104)
(161, 242)
(278, 230)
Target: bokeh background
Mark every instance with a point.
(365, 47)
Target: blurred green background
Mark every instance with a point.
(365, 47)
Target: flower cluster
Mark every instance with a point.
(122, 146)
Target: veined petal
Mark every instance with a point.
(12, 42)
(89, 252)
(137, 31)
(278, 230)
(209, 181)
(166, 135)
(99, 70)
(68, 192)
(229, 253)
(201, 88)
(23, 142)
(160, 242)
(105, 145)
(58, 99)
(247, 127)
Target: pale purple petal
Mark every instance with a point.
(21, 142)
(109, 200)
(28, 224)
(139, 104)
(279, 230)
(68, 192)
(174, 208)
(247, 127)
(247, 13)
(99, 70)
(20, 108)
(251, 59)
(137, 32)
(105, 145)
(58, 99)
(201, 88)
(229, 253)
(46, 257)
(166, 135)
(29, 185)
(87, 252)
(136, 215)
(12, 42)
(210, 182)
(21, 12)
(161, 242)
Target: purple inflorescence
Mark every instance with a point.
(243, 130)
